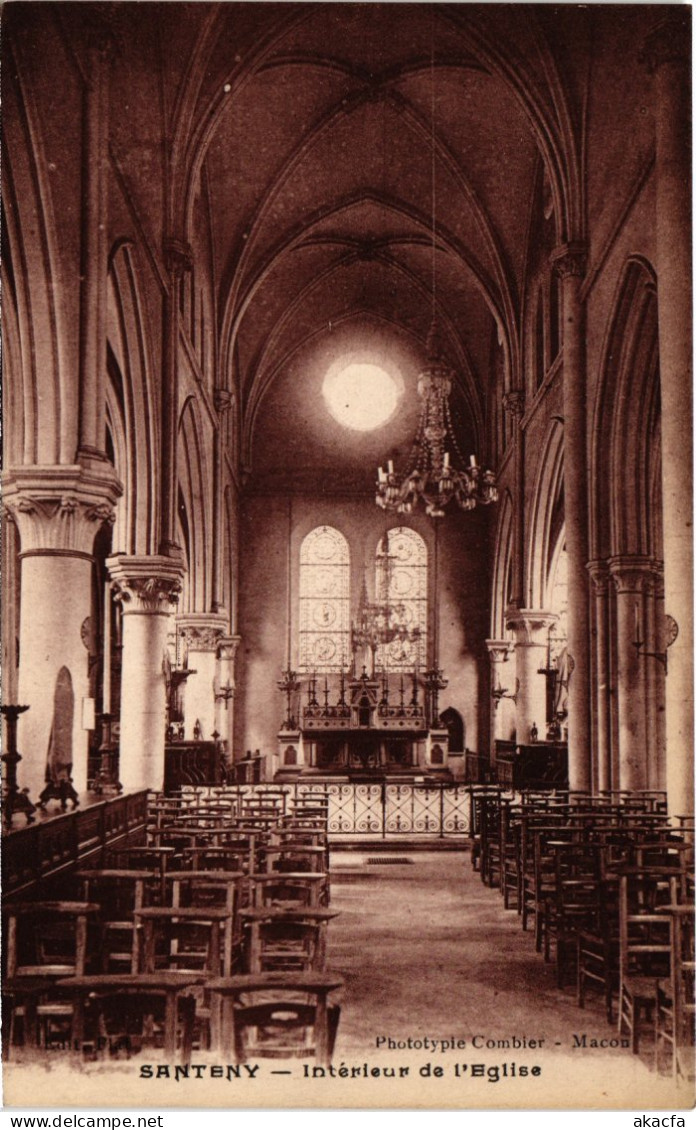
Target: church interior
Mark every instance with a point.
(347, 502)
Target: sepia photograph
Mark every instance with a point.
(347, 556)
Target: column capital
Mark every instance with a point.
(178, 256)
(668, 42)
(570, 260)
(634, 573)
(513, 401)
(145, 584)
(223, 399)
(530, 625)
(201, 631)
(599, 575)
(500, 650)
(58, 509)
(227, 647)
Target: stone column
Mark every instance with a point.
(667, 54)
(148, 589)
(601, 770)
(178, 259)
(569, 262)
(513, 403)
(502, 671)
(57, 511)
(200, 634)
(633, 577)
(225, 685)
(93, 265)
(654, 675)
(531, 628)
(223, 403)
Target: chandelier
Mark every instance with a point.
(380, 623)
(438, 474)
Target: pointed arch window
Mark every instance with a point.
(324, 601)
(401, 585)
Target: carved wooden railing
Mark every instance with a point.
(43, 851)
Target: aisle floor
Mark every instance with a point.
(426, 950)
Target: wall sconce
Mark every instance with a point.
(224, 693)
(497, 693)
(671, 633)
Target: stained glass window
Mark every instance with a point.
(401, 584)
(324, 601)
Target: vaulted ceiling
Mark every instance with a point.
(356, 165)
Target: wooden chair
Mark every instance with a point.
(675, 1011)
(185, 938)
(289, 888)
(121, 1014)
(285, 938)
(571, 907)
(119, 893)
(539, 880)
(278, 1016)
(597, 954)
(213, 888)
(45, 942)
(644, 946)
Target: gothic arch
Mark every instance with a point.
(193, 483)
(131, 404)
(547, 513)
(501, 567)
(626, 434)
(43, 425)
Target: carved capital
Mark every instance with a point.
(570, 260)
(513, 401)
(201, 632)
(530, 625)
(178, 256)
(599, 574)
(60, 508)
(500, 650)
(222, 399)
(668, 42)
(227, 648)
(633, 573)
(145, 584)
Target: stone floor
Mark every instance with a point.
(427, 951)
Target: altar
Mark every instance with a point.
(365, 728)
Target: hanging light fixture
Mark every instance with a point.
(438, 472)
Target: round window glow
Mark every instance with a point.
(361, 395)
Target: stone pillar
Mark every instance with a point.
(667, 54)
(223, 403)
(57, 512)
(502, 671)
(93, 265)
(225, 685)
(654, 679)
(633, 577)
(569, 262)
(178, 259)
(148, 589)
(200, 634)
(601, 769)
(513, 403)
(531, 628)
